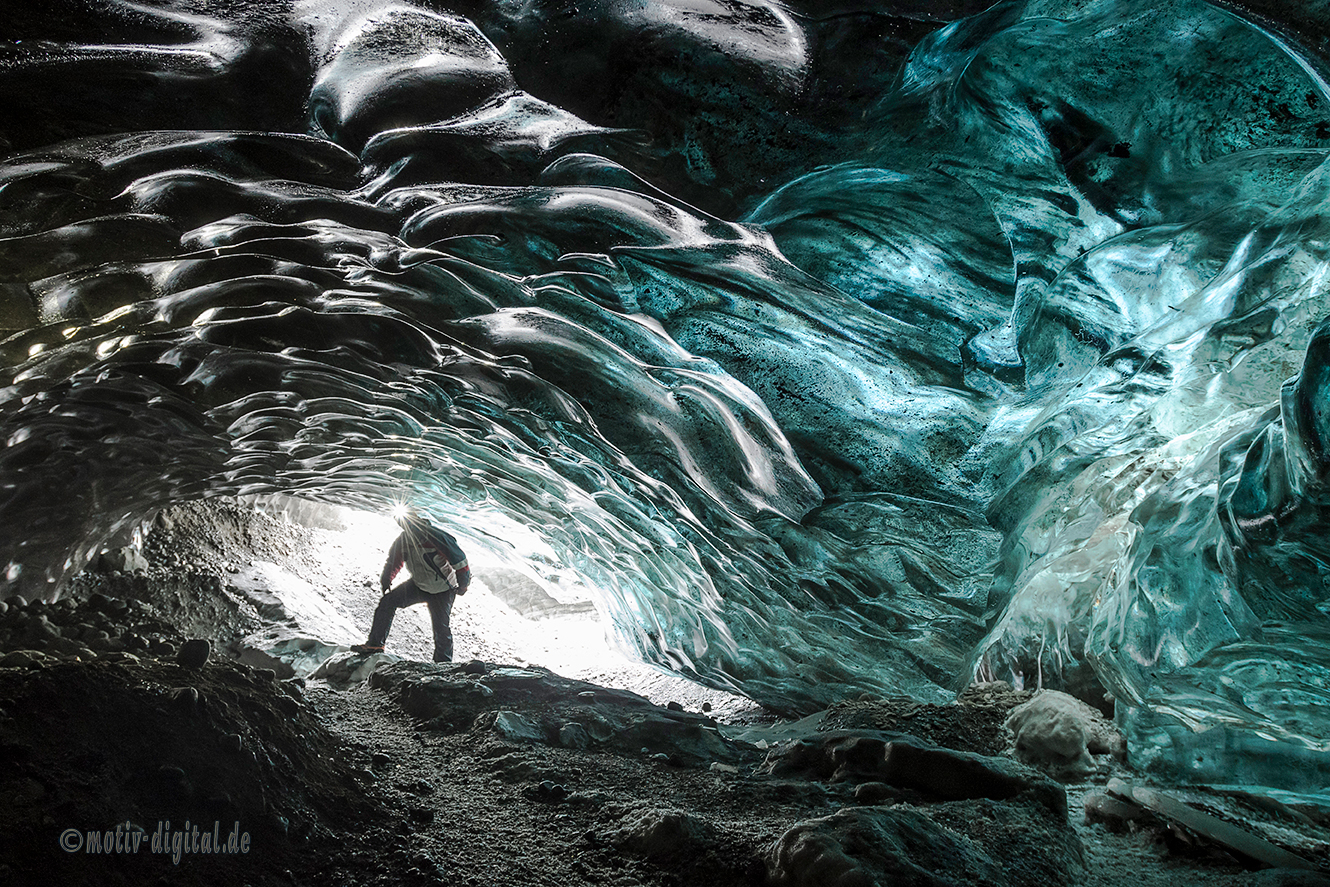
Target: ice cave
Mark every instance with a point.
(863, 349)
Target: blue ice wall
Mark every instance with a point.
(874, 347)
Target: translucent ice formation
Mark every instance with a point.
(867, 348)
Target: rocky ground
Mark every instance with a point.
(138, 715)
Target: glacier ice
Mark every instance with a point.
(868, 351)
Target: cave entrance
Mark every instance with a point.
(284, 583)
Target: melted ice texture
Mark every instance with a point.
(872, 349)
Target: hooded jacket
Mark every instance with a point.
(434, 558)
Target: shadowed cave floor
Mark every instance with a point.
(499, 773)
(345, 786)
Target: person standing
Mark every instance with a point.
(439, 572)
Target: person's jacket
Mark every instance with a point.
(434, 558)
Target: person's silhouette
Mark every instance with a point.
(439, 573)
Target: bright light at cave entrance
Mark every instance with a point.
(512, 613)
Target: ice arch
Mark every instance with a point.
(866, 349)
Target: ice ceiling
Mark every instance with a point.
(841, 346)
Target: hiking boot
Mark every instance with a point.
(366, 648)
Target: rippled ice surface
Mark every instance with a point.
(867, 347)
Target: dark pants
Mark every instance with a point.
(405, 595)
